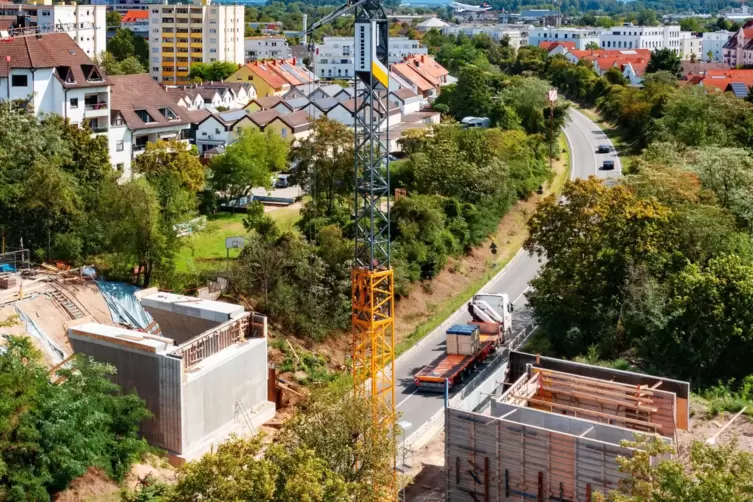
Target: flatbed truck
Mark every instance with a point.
(454, 368)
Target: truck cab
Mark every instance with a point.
(493, 308)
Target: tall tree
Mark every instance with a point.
(216, 71)
(249, 162)
(471, 97)
(665, 60)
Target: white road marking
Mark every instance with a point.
(404, 400)
(521, 294)
(588, 140)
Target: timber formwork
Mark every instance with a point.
(553, 434)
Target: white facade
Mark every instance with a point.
(266, 47)
(580, 36)
(85, 24)
(518, 36)
(714, 42)
(334, 56)
(138, 27)
(49, 96)
(642, 37)
(691, 46)
(181, 35)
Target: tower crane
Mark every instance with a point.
(373, 313)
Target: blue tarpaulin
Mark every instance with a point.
(7, 267)
(124, 307)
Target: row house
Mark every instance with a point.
(232, 96)
(632, 63)
(273, 78)
(738, 82)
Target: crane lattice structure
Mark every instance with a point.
(373, 312)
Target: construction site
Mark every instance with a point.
(553, 430)
(200, 364)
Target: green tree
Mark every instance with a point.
(691, 24)
(51, 434)
(592, 46)
(615, 77)
(713, 472)
(113, 18)
(216, 71)
(592, 244)
(647, 17)
(125, 44)
(249, 162)
(665, 60)
(471, 97)
(324, 164)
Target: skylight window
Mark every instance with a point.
(144, 116)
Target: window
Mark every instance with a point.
(74, 102)
(119, 167)
(216, 131)
(19, 80)
(155, 50)
(284, 132)
(119, 146)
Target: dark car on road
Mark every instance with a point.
(604, 149)
(608, 165)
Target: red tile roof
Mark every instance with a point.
(427, 65)
(55, 50)
(550, 46)
(263, 72)
(134, 15)
(413, 76)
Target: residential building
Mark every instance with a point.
(273, 78)
(292, 127)
(691, 71)
(266, 28)
(334, 56)
(738, 49)
(581, 36)
(266, 47)
(123, 6)
(270, 103)
(142, 112)
(56, 76)
(738, 82)
(642, 37)
(181, 35)
(220, 129)
(137, 21)
(740, 14)
(517, 35)
(713, 42)
(85, 24)
(422, 74)
(691, 46)
(631, 62)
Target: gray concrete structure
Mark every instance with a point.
(553, 431)
(198, 391)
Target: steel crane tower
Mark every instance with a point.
(373, 312)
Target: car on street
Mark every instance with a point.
(604, 149)
(608, 165)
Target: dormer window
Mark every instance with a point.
(91, 73)
(168, 114)
(144, 116)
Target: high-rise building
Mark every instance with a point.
(713, 43)
(181, 35)
(85, 24)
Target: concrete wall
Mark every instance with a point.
(238, 373)
(157, 379)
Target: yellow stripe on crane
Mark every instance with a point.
(380, 73)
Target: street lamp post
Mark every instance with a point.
(551, 96)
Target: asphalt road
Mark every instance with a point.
(415, 407)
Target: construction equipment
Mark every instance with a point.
(492, 313)
(372, 276)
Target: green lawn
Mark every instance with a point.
(206, 250)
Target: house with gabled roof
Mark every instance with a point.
(56, 76)
(142, 112)
(269, 103)
(220, 129)
(266, 82)
(325, 91)
(292, 127)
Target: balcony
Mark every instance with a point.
(95, 105)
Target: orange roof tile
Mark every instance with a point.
(134, 15)
(263, 72)
(549, 46)
(410, 74)
(428, 65)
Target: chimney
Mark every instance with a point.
(422, 58)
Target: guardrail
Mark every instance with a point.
(417, 438)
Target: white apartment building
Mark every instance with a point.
(181, 35)
(580, 36)
(137, 21)
(713, 42)
(691, 46)
(642, 37)
(517, 35)
(334, 56)
(57, 77)
(266, 47)
(85, 24)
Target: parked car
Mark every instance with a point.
(282, 181)
(608, 165)
(604, 149)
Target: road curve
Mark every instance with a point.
(416, 408)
